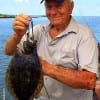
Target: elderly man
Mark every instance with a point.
(67, 49)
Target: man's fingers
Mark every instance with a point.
(20, 19)
(19, 28)
(25, 16)
(21, 23)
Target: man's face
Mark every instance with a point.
(58, 13)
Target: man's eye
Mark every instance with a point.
(48, 6)
(59, 6)
(56, 6)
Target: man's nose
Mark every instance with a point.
(53, 10)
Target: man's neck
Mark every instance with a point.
(57, 29)
(61, 27)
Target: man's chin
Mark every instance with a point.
(56, 24)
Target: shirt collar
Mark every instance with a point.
(71, 28)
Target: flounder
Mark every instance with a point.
(24, 78)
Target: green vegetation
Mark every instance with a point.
(6, 16)
(12, 16)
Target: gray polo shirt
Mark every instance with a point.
(74, 48)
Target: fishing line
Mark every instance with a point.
(32, 28)
(28, 31)
(47, 92)
(80, 12)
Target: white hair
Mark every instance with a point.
(70, 0)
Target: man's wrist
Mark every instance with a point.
(16, 37)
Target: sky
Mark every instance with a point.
(33, 7)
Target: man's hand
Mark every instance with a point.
(20, 24)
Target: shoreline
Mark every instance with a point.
(15, 16)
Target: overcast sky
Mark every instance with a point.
(33, 7)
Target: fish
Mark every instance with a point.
(24, 77)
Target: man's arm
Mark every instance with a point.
(74, 78)
(20, 25)
(11, 44)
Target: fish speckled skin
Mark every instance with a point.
(24, 77)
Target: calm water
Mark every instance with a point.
(6, 31)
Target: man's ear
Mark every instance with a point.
(71, 7)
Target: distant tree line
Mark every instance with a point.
(6, 16)
(13, 16)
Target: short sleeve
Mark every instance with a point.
(88, 55)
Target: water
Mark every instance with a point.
(93, 22)
(6, 31)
